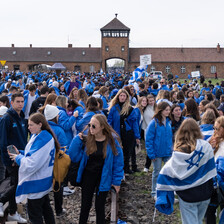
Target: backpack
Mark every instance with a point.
(61, 166)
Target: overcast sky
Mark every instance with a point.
(153, 23)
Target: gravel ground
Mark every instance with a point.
(135, 204)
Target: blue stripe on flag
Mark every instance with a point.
(34, 186)
(204, 169)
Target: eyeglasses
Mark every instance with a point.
(91, 125)
(161, 82)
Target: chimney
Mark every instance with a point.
(218, 48)
(89, 45)
(13, 45)
(31, 46)
(69, 45)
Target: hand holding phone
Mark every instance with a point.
(12, 149)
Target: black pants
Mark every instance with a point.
(147, 160)
(90, 184)
(39, 208)
(11, 192)
(210, 216)
(133, 158)
(58, 200)
(128, 143)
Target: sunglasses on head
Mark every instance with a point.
(92, 125)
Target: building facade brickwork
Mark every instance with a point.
(115, 45)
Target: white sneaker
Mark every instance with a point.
(146, 170)
(68, 191)
(16, 217)
(155, 198)
(1, 210)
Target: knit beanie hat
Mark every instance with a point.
(50, 112)
(3, 110)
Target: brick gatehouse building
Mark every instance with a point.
(115, 45)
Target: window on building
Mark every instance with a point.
(91, 68)
(106, 48)
(152, 69)
(122, 48)
(106, 34)
(198, 67)
(77, 68)
(167, 68)
(182, 69)
(16, 67)
(213, 69)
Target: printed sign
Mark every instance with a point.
(145, 59)
(195, 74)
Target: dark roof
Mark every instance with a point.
(115, 24)
(178, 54)
(50, 54)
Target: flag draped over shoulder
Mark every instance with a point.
(184, 171)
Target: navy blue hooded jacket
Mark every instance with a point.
(12, 133)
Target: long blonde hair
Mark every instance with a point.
(139, 104)
(187, 135)
(126, 106)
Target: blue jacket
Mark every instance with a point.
(131, 122)
(66, 123)
(138, 116)
(83, 104)
(81, 113)
(105, 104)
(220, 171)
(164, 87)
(14, 133)
(59, 133)
(207, 89)
(81, 124)
(112, 172)
(158, 140)
(154, 92)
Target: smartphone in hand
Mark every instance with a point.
(11, 149)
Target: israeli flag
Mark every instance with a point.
(138, 73)
(184, 171)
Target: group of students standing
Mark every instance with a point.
(102, 137)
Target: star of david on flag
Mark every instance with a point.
(195, 159)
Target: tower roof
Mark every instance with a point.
(115, 24)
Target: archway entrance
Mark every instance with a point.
(115, 65)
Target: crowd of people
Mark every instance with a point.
(100, 120)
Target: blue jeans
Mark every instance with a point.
(157, 165)
(193, 212)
